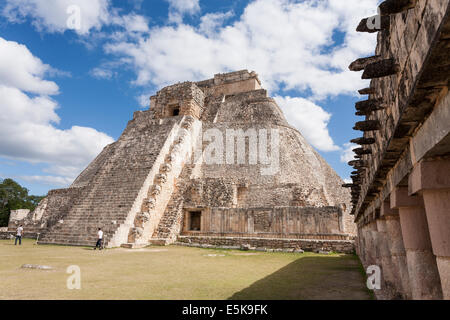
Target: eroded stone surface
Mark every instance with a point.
(409, 153)
(210, 158)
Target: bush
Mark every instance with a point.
(13, 197)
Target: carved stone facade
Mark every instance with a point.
(181, 99)
(211, 159)
(401, 182)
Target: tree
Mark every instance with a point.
(13, 197)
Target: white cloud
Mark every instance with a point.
(28, 129)
(179, 8)
(209, 23)
(28, 133)
(310, 119)
(347, 153)
(59, 15)
(48, 180)
(101, 73)
(137, 4)
(293, 45)
(131, 22)
(290, 44)
(52, 16)
(20, 69)
(144, 100)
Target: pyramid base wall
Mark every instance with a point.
(276, 228)
(274, 222)
(264, 244)
(8, 235)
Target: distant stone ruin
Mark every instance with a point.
(401, 183)
(211, 162)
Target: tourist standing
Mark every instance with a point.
(99, 239)
(19, 235)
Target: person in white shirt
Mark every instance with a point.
(19, 235)
(99, 239)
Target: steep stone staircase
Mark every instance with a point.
(170, 224)
(116, 186)
(162, 195)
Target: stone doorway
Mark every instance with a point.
(195, 221)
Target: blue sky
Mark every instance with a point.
(65, 93)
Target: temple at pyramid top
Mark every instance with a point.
(188, 98)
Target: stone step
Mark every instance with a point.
(91, 221)
(133, 245)
(113, 190)
(78, 243)
(65, 234)
(73, 238)
(158, 241)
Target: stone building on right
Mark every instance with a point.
(401, 182)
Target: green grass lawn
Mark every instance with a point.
(177, 273)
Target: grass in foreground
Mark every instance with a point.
(177, 273)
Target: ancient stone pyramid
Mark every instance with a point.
(177, 173)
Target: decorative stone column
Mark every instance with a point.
(431, 179)
(376, 242)
(422, 268)
(369, 246)
(362, 243)
(387, 269)
(358, 240)
(397, 252)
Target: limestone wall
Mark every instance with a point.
(300, 177)
(286, 245)
(283, 222)
(400, 187)
(408, 94)
(186, 97)
(231, 83)
(89, 173)
(50, 211)
(300, 166)
(17, 215)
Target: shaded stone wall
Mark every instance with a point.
(283, 222)
(287, 245)
(401, 182)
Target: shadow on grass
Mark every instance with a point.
(311, 278)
